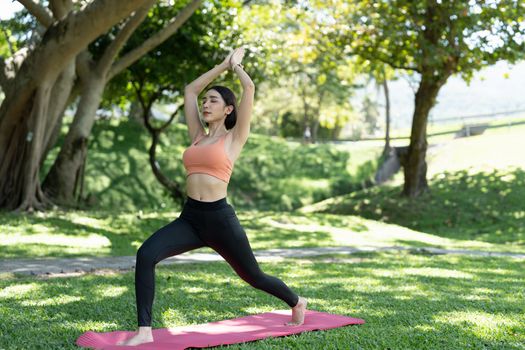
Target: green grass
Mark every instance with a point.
(391, 221)
(501, 128)
(476, 197)
(453, 127)
(408, 301)
(496, 149)
(485, 207)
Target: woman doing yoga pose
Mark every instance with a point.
(207, 219)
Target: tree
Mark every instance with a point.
(381, 73)
(315, 69)
(146, 104)
(300, 72)
(434, 39)
(37, 90)
(371, 114)
(95, 71)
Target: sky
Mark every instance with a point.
(494, 89)
(8, 7)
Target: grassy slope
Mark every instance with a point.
(477, 192)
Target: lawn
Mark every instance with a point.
(77, 234)
(409, 301)
(476, 197)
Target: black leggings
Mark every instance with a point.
(211, 224)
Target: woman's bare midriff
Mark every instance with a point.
(205, 188)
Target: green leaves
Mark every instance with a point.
(443, 37)
(201, 43)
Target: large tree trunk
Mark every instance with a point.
(25, 159)
(63, 179)
(20, 159)
(66, 175)
(415, 166)
(26, 113)
(55, 132)
(433, 77)
(59, 101)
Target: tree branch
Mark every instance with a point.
(60, 8)
(155, 40)
(70, 36)
(172, 116)
(42, 14)
(171, 185)
(3, 77)
(123, 35)
(386, 61)
(84, 62)
(61, 42)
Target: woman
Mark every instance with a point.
(207, 219)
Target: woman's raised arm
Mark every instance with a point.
(241, 131)
(191, 94)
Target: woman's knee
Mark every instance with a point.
(145, 255)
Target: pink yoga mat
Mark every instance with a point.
(237, 330)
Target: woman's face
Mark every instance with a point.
(213, 107)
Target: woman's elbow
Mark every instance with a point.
(189, 89)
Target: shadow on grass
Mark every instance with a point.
(126, 231)
(485, 206)
(418, 244)
(120, 229)
(407, 301)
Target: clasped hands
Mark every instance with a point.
(234, 58)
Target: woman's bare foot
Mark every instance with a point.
(143, 335)
(298, 312)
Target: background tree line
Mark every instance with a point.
(306, 58)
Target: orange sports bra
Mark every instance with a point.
(208, 159)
